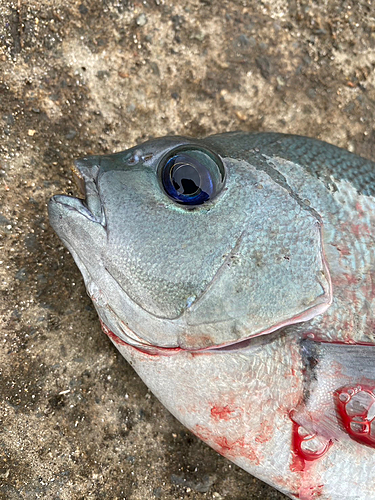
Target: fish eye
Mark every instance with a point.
(191, 176)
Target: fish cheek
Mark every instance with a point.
(163, 255)
(275, 276)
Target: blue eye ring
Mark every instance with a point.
(191, 175)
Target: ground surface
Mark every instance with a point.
(99, 76)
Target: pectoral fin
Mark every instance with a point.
(339, 397)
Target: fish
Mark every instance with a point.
(236, 274)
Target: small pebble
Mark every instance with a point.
(141, 20)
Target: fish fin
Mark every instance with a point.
(339, 397)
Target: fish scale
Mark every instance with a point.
(250, 313)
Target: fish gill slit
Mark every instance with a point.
(280, 179)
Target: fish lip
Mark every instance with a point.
(76, 204)
(88, 203)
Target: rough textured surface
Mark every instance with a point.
(93, 77)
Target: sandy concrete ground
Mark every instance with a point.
(80, 77)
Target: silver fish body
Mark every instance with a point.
(236, 274)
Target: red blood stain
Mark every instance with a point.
(157, 351)
(351, 284)
(358, 426)
(359, 209)
(300, 455)
(298, 462)
(344, 250)
(198, 341)
(310, 492)
(225, 446)
(111, 335)
(360, 230)
(266, 433)
(302, 464)
(223, 412)
(316, 338)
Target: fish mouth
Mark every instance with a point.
(78, 205)
(88, 202)
(85, 173)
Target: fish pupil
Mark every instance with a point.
(186, 179)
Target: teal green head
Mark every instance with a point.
(186, 243)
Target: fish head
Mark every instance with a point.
(182, 245)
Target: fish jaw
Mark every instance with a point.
(73, 222)
(84, 235)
